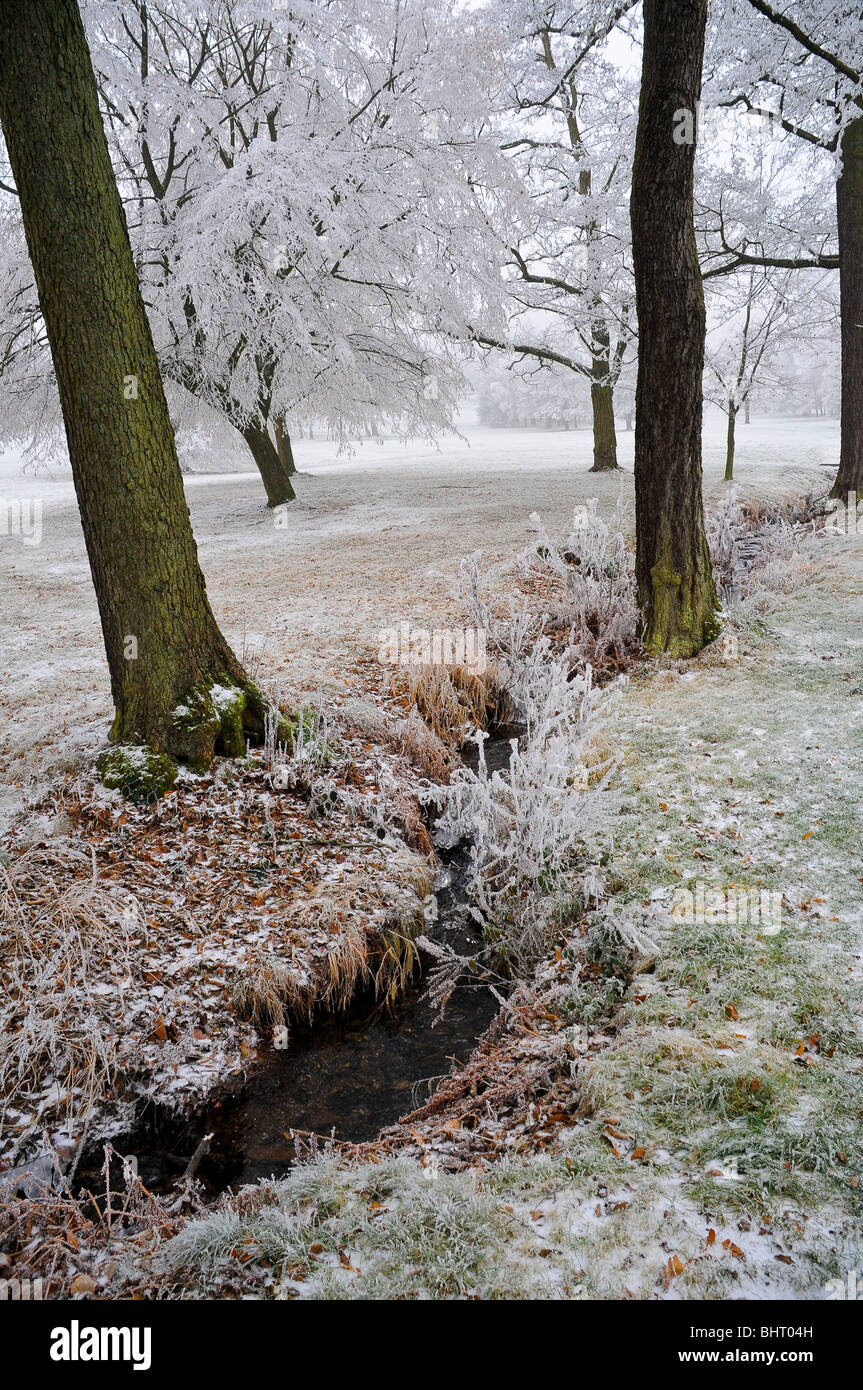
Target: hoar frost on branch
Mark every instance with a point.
(308, 197)
(537, 830)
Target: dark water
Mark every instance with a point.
(497, 749)
(347, 1077)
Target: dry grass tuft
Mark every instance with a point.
(368, 927)
(453, 699)
(59, 924)
(409, 737)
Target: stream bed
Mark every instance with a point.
(346, 1077)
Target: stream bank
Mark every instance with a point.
(344, 1078)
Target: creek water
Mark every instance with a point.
(346, 1077)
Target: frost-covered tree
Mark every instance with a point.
(800, 67)
(567, 262)
(176, 684)
(300, 186)
(754, 317)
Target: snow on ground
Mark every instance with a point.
(717, 1149)
(712, 1148)
(303, 595)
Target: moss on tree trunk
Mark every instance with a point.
(170, 665)
(673, 570)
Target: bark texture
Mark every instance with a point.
(604, 436)
(849, 207)
(731, 410)
(675, 583)
(276, 478)
(602, 401)
(165, 650)
(285, 447)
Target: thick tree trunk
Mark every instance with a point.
(849, 207)
(163, 645)
(285, 447)
(276, 478)
(604, 436)
(673, 570)
(602, 403)
(731, 409)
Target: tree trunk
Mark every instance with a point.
(849, 207)
(673, 570)
(276, 477)
(604, 437)
(731, 410)
(285, 447)
(163, 646)
(602, 403)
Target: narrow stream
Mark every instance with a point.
(347, 1077)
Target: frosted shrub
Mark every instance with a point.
(297, 765)
(532, 828)
(783, 562)
(511, 635)
(759, 549)
(596, 585)
(724, 526)
(591, 581)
